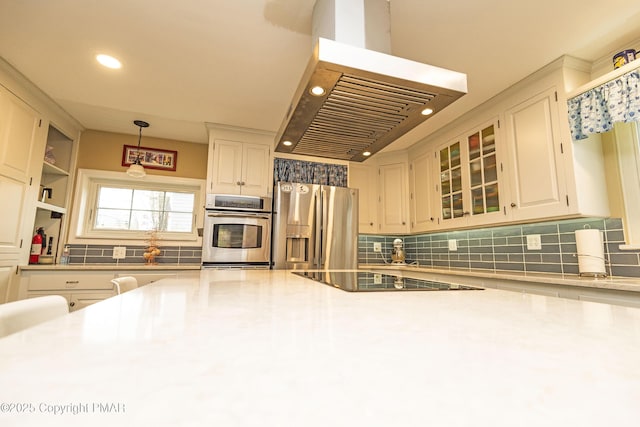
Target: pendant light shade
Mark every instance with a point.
(136, 170)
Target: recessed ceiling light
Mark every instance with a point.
(427, 111)
(108, 61)
(317, 91)
(366, 153)
(287, 143)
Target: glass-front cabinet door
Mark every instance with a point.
(451, 181)
(483, 172)
(470, 177)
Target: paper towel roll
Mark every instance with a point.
(590, 246)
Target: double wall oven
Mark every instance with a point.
(237, 231)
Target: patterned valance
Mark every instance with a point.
(309, 172)
(595, 110)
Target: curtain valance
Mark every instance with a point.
(309, 172)
(595, 110)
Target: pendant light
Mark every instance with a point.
(135, 169)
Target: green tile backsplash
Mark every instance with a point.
(505, 248)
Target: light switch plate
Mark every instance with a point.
(533, 242)
(453, 245)
(119, 252)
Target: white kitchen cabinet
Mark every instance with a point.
(364, 177)
(6, 274)
(19, 130)
(20, 135)
(393, 211)
(241, 168)
(80, 287)
(552, 175)
(536, 159)
(422, 193)
(76, 299)
(471, 178)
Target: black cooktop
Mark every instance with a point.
(367, 281)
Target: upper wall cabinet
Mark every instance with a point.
(19, 128)
(536, 159)
(393, 212)
(520, 163)
(20, 135)
(240, 168)
(364, 177)
(422, 193)
(470, 178)
(240, 161)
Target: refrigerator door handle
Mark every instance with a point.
(317, 225)
(324, 206)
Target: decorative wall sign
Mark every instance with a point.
(152, 158)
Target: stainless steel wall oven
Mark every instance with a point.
(237, 231)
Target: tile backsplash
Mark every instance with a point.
(103, 254)
(505, 248)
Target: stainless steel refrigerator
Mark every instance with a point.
(314, 227)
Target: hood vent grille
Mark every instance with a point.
(356, 114)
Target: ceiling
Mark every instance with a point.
(238, 62)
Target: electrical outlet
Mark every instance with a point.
(453, 245)
(533, 242)
(119, 252)
(377, 247)
(377, 279)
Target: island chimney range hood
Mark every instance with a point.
(367, 98)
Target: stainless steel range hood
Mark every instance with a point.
(371, 98)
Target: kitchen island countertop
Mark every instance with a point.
(270, 348)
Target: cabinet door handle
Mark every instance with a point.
(72, 303)
(72, 282)
(238, 183)
(513, 205)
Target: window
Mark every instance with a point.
(121, 208)
(111, 205)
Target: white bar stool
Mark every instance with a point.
(18, 315)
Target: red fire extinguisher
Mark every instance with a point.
(36, 246)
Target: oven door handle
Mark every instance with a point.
(232, 215)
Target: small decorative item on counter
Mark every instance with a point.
(152, 250)
(64, 259)
(48, 155)
(623, 58)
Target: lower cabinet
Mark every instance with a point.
(76, 299)
(6, 273)
(80, 288)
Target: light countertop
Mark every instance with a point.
(631, 284)
(110, 267)
(269, 348)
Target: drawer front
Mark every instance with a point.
(45, 281)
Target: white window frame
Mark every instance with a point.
(87, 184)
(627, 152)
